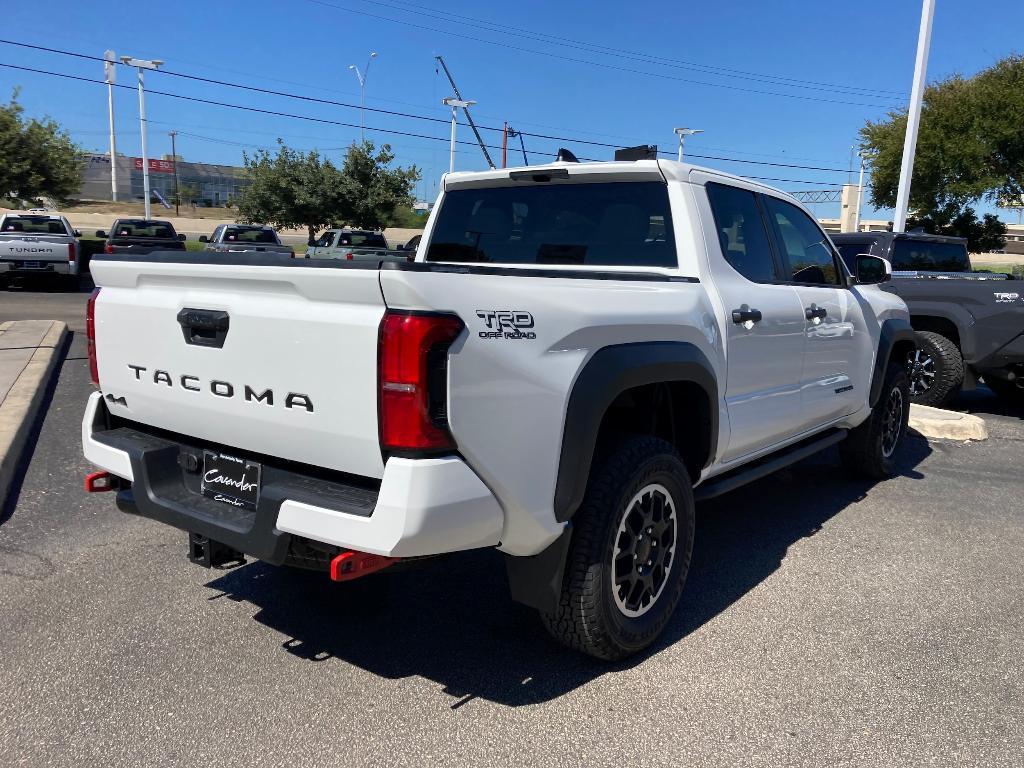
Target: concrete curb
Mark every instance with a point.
(947, 425)
(18, 410)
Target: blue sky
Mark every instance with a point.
(773, 82)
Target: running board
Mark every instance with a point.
(733, 479)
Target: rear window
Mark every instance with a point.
(363, 240)
(34, 225)
(929, 257)
(608, 224)
(236, 235)
(143, 229)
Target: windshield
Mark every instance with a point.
(34, 225)
(607, 224)
(154, 229)
(239, 235)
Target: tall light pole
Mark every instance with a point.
(110, 76)
(682, 133)
(174, 159)
(860, 195)
(455, 104)
(361, 76)
(924, 39)
(142, 65)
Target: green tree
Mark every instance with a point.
(37, 157)
(970, 148)
(373, 189)
(293, 189)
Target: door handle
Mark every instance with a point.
(746, 315)
(815, 312)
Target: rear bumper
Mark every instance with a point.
(420, 506)
(45, 268)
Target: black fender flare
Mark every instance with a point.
(536, 581)
(610, 372)
(895, 331)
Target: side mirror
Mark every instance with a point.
(182, 238)
(872, 270)
(77, 232)
(101, 233)
(204, 239)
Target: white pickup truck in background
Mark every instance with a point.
(577, 354)
(38, 244)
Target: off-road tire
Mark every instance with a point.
(1009, 391)
(949, 369)
(866, 451)
(588, 617)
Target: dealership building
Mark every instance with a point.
(209, 185)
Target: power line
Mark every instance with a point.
(583, 45)
(325, 121)
(331, 102)
(602, 64)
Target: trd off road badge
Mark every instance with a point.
(506, 324)
(1006, 298)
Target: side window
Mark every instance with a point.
(741, 232)
(929, 256)
(806, 248)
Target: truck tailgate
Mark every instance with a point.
(306, 335)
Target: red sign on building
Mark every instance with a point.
(155, 166)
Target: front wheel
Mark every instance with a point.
(870, 449)
(630, 551)
(935, 368)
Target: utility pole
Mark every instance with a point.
(504, 146)
(924, 39)
(512, 133)
(682, 133)
(860, 195)
(469, 117)
(455, 104)
(174, 159)
(142, 65)
(361, 76)
(110, 76)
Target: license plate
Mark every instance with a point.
(31, 265)
(231, 480)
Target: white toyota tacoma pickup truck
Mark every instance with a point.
(576, 355)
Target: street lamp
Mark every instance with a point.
(455, 104)
(361, 76)
(141, 65)
(682, 133)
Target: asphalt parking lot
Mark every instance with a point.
(825, 621)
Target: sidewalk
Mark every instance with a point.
(30, 354)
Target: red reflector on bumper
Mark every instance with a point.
(98, 482)
(352, 565)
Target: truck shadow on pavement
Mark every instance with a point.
(450, 620)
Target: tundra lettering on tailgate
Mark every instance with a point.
(221, 388)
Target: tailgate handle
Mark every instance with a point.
(204, 327)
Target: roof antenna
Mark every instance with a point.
(565, 156)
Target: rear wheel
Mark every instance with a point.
(630, 551)
(870, 449)
(935, 369)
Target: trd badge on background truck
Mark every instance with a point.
(579, 352)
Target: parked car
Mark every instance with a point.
(565, 368)
(230, 238)
(39, 244)
(353, 245)
(139, 236)
(969, 325)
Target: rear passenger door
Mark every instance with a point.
(764, 323)
(838, 351)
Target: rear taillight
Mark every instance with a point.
(90, 336)
(108, 248)
(412, 376)
(71, 251)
